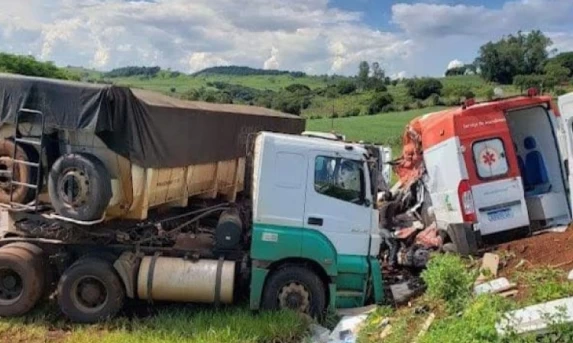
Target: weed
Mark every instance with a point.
(449, 279)
(544, 284)
(475, 325)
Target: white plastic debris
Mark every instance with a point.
(570, 276)
(493, 286)
(346, 331)
(536, 318)
(319, 334)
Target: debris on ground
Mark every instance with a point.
(425, 327)
(546, 250)
(537, 318)
(346, 331)
(494, 286)
(318, 333)
(355, 311)
(404, 291)
(489, 267)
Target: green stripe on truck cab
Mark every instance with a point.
(348, 274)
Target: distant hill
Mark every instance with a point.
(246, 71)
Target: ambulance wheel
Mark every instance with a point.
(22, 278)
(295, 288)
(80, 187)
(90, 291)
(450, 247)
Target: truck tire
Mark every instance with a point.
(90, 291)
(22, 279)
(296, 288)
(23, 173)
(80, 187)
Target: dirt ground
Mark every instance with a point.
(544, 250)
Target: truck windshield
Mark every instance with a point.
(339, 178)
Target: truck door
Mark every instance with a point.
(566, 108)
(338, 202)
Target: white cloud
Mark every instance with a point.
(399, 75)
(562, 41)
(201, 60)
(439, 20)
(455, 64)
(188, 35)
(272, 62)
(306, 35)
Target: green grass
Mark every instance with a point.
(170, 325)
(384, 128)
(449, 280)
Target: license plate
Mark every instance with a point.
(500, 214)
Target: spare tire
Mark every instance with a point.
(80, 187)
(22, 173)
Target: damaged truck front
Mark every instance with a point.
(215, 207)
(484, 170)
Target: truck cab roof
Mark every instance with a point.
(315, 143)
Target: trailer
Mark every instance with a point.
(89, 153)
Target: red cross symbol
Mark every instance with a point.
(488, 158)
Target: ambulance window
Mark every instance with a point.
(339, 178)
(490, 159)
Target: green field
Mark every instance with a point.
(320, 106)
(384, 128)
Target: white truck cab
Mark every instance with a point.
(313, 199)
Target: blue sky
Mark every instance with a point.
(408, 38)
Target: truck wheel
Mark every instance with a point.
(22, 173)
(295, 288)
(80, 187)
(90, 291)
(22, 280)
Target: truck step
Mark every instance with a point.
(349, 294)
(27, 163)
(29, 185)
(28, 141)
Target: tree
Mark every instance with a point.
(456, 71)
(28, 65)
(557, 72)
(379, 102)
(424, 87)
(298, 88)
(377, 72)
(346, 87)
(363, 73)
(523, 54)
(564, 59)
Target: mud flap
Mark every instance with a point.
(465, 238)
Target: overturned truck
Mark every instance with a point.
(155, 198)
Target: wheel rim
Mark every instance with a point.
(11, 286)
(294, 296)
(89, 294)
(73, 187)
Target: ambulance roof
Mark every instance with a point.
(438, 126)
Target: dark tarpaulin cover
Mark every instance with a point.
(150, 129)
